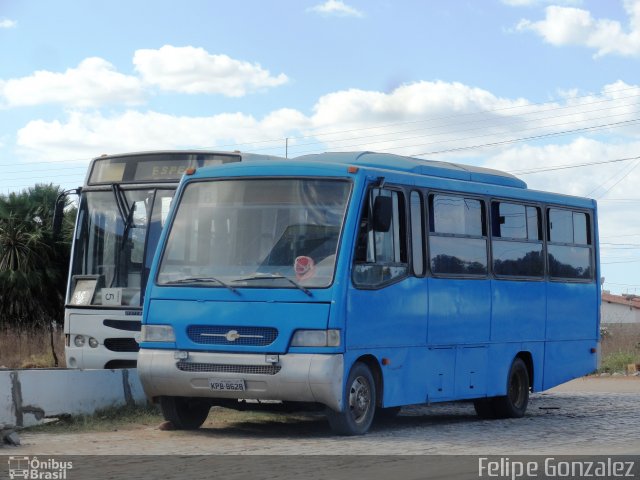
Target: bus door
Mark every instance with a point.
(387, 308)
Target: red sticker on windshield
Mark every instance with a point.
(304, 267)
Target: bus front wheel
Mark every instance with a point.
(359, 400)
(183, 412)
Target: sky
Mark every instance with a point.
(547, 90)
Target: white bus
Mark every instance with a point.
(122, 208)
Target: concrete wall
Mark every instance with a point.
(613, 313)
(28, 396)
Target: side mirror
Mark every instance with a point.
(382, 210)
(58, 211)
(58, 214)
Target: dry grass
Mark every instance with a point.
(107, 419)
(620, 347)
(140, 416)
(30, 348)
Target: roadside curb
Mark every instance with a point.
(29, 396)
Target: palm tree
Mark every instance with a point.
(33, 265)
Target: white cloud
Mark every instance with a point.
(336, 8)
(194, 70)
(611, 184)
(429, 118)
(573, 181)
(92, 83)
(95, 81)
(86, 135)
(7, 23)
(414, 118)
(575, 26)
(535, 3)
(435, 119)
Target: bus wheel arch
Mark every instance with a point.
(514, 403)
(527, 358)
(373, 364)
(359, 401)
(519, 383)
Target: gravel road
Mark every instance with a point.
(586, 416)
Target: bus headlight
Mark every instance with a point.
(316, 338)
(157, 333)
(79, 340)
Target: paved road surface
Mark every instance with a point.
(587, 416)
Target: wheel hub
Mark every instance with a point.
(359, 398)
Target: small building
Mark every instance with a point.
(620, 309)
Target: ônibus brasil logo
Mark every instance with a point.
(36, 469)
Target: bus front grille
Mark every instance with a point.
(229, 335)
(121, 345)
(228, 368)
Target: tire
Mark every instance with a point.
(183, 412)
(484, 408)
(359, 401)
(514, 403)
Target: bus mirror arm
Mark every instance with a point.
(121, 202)
(382, 209)
(58, 210)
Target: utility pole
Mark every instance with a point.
(286, 147)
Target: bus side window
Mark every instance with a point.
(417, 234)
(457, 235)
(570, 245)
(381, 256)
(517, 240)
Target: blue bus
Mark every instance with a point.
(362, 282)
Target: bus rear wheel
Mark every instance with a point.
(484, 408)
(183, 412)
(514, 403)
(359, 400)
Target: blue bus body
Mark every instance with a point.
(439, 321)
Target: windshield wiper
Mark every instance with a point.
(128, 223)
(203, 280)
(272, 276)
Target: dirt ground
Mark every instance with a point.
(588, 416)
(622, 384)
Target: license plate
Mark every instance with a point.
(226, 385)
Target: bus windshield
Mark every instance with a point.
(110, 262)
(268, 233)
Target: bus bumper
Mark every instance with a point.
(294, 377)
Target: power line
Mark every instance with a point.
(484, 126)
(534, 137)
(621, 179)
(620, 200)
(592, 128)
(501, 109)
(627, 235)
(513, 107)
(624, 167)
(568, 166)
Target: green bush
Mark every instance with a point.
(618, 361)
